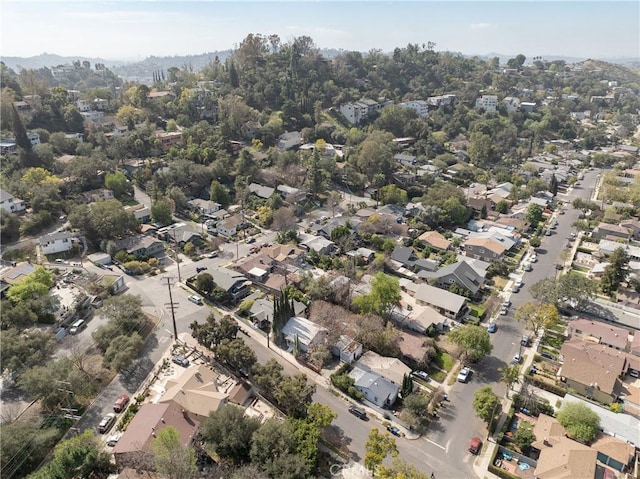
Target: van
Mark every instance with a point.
(358, 412)
(525, 340)
(475, 446)
(78, 326)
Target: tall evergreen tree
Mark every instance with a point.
(553, 185)
(22, 140)
(407, 386)
(233, 76)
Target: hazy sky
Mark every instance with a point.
(136, 29)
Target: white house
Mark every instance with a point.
(511, 103)
(10, 203)
(527, 106)
(421, 107)
(56, 242)
(355, 112)
(95, 116)
(205, 207)
(306, 333)
(441, 100)
(84, 105)
(34, 138)
(377, 389)
(229, 226)
(487, 103)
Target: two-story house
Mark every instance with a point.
(204, 207)
(10, 203)
(421, 107)
(484, 249)
(56, 242)
(235, 284)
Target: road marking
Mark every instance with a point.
(436, 444)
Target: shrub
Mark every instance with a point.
(137, 267)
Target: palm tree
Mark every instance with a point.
(510, 375)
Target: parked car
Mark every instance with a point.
(547, 356)
(476, 446)
(463, 375)
(213, 254)
(528, 267)
(394, 430)
(421, 375)
(107, 422)
(547, 232)
(525, 341)
(534, 258)
(195, 299)
(515, 288)
(78, 326)
(516, 359)
(504, 311)
(358, 412)
(181, 360)
(200, 269)
(113, 439)
(492, 328)
(506, 303)
(634, 373)
(251, 240)
(121, 403)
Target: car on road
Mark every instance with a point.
(180, 360)
(78, 326)
(492, 328)
(525, 341)
(561, 212)
(463, 375)
(113, 439)
(200, 269)
(547, 232)
(476, 446)
(121, 403)
(213, 254)
(504, 311)
(421, 375)
(534, 258)
(195, 299)
(107, 422)
(528, 267)
(516, 359)
(573, 234)
(394, 430)
(358, 412)
(516, 288)
(251, 240)
(506, 303)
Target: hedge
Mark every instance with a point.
(552, 388)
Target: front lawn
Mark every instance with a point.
(477, 310)
(444, 361)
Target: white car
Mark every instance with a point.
(463, 375)
(195, 299)
(421, 375)
(516, 359)
(534, 258)
(113, 439)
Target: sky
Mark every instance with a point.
(133, 30)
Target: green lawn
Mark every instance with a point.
(436, 375)
(444, 361)
(477, 310)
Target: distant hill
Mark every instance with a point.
(146, 67)
(613, 71)
(52, 60)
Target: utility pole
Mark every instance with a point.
(172, 305)
(175, 253)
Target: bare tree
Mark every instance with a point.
(284, 219)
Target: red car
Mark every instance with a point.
(121, 403)
(475, 446)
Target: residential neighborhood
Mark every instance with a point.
(280, 263)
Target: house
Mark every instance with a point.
(100, 194)
(408, 161)
(84, 105)
(441, 100)
(359, 111)
(407, 257)
(511, 103)
(633, 225)
(179, 233)
(204, 207)
(95, 116)
(612, 232)
(435, 240)
(599, 333)
(561, 457)
(134, 447)
(290, 141)
(421, 107)
(390, 368)
(285, 254)
(228, 227)
(100, 258)
(460, 273)
(621, 426)
(264, 192)
(377, 389)
(367, 255)
(478, 204)
(488, 103)
(141, 246)
(527, 106)
(319, 244)
(10, 203)
(593, 370)
(33, 137)
(17, 272)
(347, 349)
(306, 334)
(485, 249)
(141, 212)
(198, 390)
(261, 312)
(234, 283)
(420, 318)
(288, 192)
(446, 303)
(8, 145)
(56, 242)
(607, 247)
(169, 139)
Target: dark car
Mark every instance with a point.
(358, 412)
(394, 430)
(201, 268)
